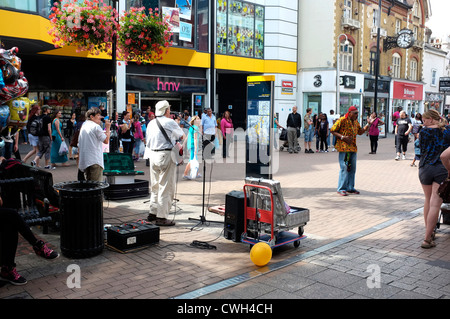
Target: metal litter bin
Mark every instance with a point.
(81, 206)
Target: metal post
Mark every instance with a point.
(114, 139)
(377, 62)
(212, 78)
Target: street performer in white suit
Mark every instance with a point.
(162, 165)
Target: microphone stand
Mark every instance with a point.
(202, 220)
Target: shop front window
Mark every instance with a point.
(189, 20)
(23, 5)
(313, 101)
(240, 29)
(369, 108)
(347, 100)
(181, 16)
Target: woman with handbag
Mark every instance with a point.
(434, 139)
(57, 140)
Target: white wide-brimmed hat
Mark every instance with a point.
(160, 108)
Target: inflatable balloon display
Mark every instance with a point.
(15, 83)
(4, 116)
(2, 82)
(19, 109)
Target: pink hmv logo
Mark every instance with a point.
(167, 86)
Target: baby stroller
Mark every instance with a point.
(284, 141)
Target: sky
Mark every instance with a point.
(439, 21)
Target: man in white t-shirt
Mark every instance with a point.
(90, 145)
(162, 165)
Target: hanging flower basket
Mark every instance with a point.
(90, 25)
(142, 38)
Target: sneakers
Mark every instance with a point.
(11, 275)
(33, 163)
(41, 249)
(50, 167)
(403, 157)
(397, 158)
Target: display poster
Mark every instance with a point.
(185, 31)
(185, 9)
(173, 18)
(259, 126)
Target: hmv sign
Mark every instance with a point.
(164, 84)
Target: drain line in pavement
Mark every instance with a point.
(227, 283)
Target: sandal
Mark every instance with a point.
(428, 244)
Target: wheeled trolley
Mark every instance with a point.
(267, 218)
(284, 141)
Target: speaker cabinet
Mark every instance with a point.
(234, 215)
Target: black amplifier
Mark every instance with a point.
(132, 235)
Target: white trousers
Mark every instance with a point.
(162, 179)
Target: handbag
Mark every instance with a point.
(178, 146)
(444, 190)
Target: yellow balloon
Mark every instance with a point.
(261, 254)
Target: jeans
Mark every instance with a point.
(347, 177)
(11, 225)
(309, 134)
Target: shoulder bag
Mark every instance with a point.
(178, 147)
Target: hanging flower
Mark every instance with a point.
(142, 38)
(90, 25)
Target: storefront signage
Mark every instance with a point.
(383, 86)
(444, 84)
(287, 87)
(146, 83)
(318, 81)
(348, 81)
(408, 91)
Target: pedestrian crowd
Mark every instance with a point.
(159, 137)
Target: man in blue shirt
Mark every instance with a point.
(209, 124)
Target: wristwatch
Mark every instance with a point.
(342, 137)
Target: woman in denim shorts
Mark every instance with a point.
(434, 139)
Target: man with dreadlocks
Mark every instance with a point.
(345, 129)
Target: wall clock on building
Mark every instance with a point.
(405, 39)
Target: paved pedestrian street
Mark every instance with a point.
(364, 246)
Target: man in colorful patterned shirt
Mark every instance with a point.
(345, 129)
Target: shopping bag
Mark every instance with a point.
(194, 168)
(63, 149)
